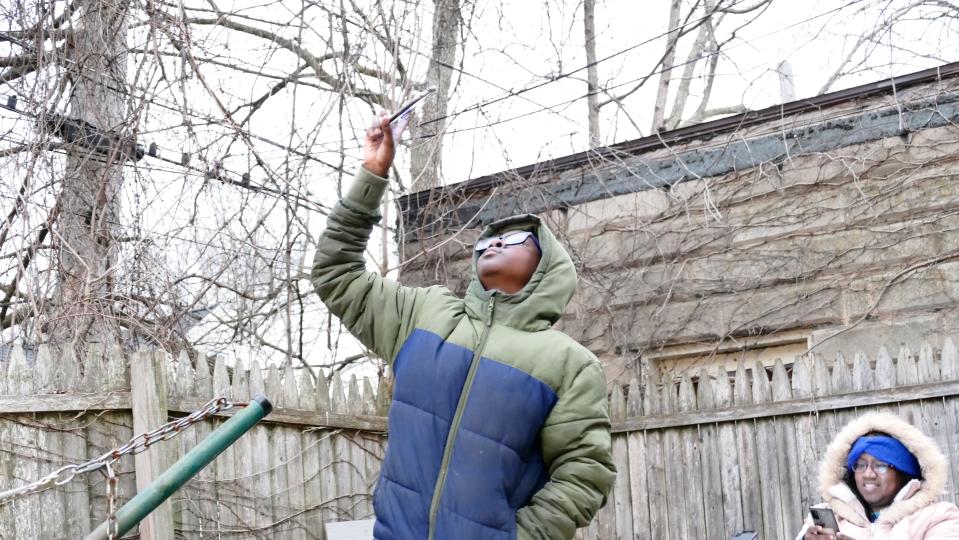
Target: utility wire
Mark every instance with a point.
(215, 172)
(618, 85)
(507, 95)
(172, 236)
(561, 76)
(554, 106)
(156, 99)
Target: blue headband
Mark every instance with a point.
(887, 449)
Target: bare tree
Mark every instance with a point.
(659, 109)
(181, 214)
(85, 230)
(703, 54)
(887, 23)
(168, 165)
(592, 72)
(428, 149)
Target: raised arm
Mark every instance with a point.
(378, 311)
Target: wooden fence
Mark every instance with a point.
(314, 459)
(702, 457)
(714, 453)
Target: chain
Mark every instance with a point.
(137, 444)
(113, 527)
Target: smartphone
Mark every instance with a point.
(824, 518)
(408, 107)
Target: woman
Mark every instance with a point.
(881, 477)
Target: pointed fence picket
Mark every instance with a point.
(712, 453)
(314, 459)
(703, 455)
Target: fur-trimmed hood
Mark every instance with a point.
(914, 496)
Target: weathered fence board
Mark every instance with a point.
(765, 436)
(949, 370)
(148, 381)
(621, 496)
(675, 472)
(280, 480)
(706, 455)
(712, 466)
(202, 499)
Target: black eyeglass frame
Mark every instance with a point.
(877, 467)
(514, 238)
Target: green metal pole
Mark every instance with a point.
(131, 513)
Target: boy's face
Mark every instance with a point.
(507, 267)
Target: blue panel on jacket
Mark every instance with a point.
(497, 464)
(429, 377)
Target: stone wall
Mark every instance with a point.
(833, 228)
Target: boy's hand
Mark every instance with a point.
(379, 148)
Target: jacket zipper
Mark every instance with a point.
(458, 417)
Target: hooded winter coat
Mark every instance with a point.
(914, 513)
(499, 427)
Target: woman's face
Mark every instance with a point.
(876, 489)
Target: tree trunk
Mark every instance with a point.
(85, 234)
(427, 139)
(592, 72)
(787, 87)
(660, 108)
(701, 48)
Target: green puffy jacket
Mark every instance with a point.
(499, 425)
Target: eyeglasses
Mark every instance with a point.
(511, 239)
(877, 467)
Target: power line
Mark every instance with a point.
(450, 67)
(568, 74)
(214, 173)
(154, 98)
(618, 85)
(551, 108)
(171, 236)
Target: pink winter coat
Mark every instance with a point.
(914, 513)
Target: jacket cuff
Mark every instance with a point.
(366, 192)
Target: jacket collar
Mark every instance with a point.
(844, 502)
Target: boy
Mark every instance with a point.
(499, 426)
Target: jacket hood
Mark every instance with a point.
(915, 495)
(539, 304)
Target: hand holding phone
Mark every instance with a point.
(379, 148)
(824, 517)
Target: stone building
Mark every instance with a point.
(823, 225)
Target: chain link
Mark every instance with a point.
(137, 444)
(113, 527)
